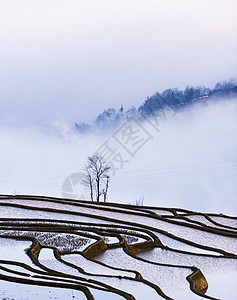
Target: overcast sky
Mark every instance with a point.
(67, 60)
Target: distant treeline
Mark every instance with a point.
(170, 98)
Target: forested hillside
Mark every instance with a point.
(169, 99)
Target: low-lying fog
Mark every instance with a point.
(190, 163)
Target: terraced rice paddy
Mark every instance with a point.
(54, 248)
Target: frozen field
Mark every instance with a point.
(53, 248)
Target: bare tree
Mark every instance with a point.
(88, 182)
(97, 177)
(139, 201)
(105, 191)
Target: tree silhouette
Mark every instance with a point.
(97, 177)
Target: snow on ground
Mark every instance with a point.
(71, 229)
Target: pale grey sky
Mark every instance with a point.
(64, 61)
(67, 60)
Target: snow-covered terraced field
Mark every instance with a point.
(53, 248)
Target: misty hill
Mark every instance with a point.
(174, 99)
